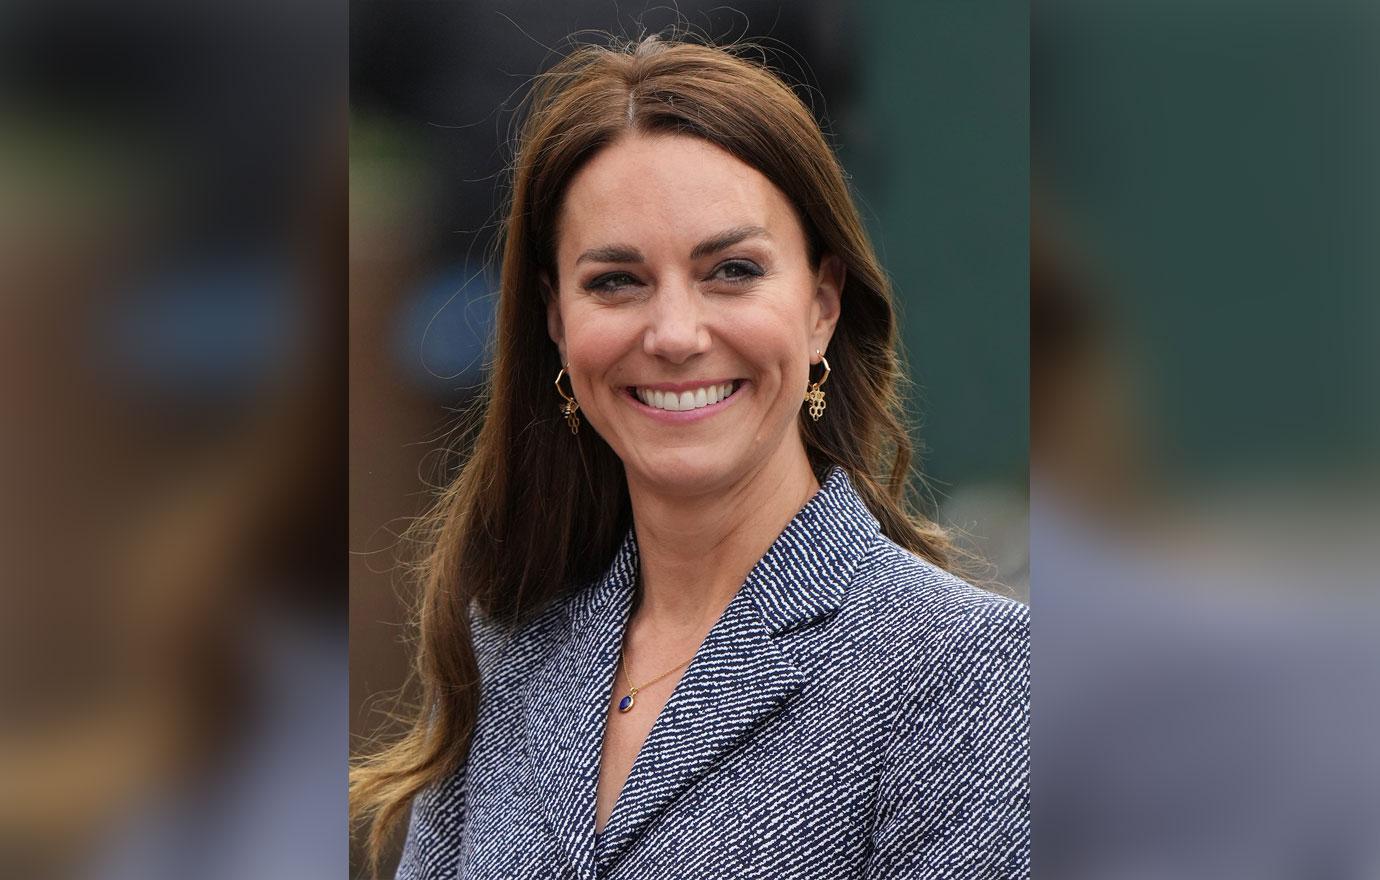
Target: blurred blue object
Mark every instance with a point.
(443, 338)
(221, 328)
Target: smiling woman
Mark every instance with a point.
(681, 269)
(706, 638)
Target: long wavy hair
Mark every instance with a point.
(534, 511)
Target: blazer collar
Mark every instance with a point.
(739, 677)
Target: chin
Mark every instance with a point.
(684, 472)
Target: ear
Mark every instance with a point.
(825, 309)
(554, 326)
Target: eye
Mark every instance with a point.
(737, 270)
(611, 282)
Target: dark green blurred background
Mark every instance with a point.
(944, 161)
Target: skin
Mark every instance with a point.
(708, 497)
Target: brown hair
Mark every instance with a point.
(536, 511)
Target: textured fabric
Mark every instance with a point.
(854, 712)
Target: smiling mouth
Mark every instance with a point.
(683, 401)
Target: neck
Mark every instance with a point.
(695, 552)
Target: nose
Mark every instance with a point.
(675, 328)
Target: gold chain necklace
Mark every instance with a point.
(628, 701)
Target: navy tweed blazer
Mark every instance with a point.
(855, 712)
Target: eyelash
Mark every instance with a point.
(751, 272)
(603, 284)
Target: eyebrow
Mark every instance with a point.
(625, 253)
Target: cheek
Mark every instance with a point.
(772, 336)
(595, 341)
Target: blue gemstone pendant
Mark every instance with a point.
(626, 703)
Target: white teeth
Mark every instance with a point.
(685, 400)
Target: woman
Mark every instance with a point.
(677, 621)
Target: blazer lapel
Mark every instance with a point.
(741, 676)
(737, 680)
(566, 704)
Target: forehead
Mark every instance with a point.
(671, 190)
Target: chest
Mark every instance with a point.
(793, 799)
(750, 764)
(624, 735)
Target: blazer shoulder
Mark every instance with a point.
(900, 575)
(503, 649)
(923, 609)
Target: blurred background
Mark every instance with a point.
(173, 228)
(926, 104)
(1205, 439)
(1204, 435)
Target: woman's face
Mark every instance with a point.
(683, 273)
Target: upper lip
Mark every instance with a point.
(684, 386)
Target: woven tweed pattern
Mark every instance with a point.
(855, 712)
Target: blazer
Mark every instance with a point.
(855, 712)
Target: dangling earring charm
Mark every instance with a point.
(571, 407)
(814, 395)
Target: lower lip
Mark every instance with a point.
(683, 416)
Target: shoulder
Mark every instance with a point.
(925, 606)
(503, 654)
(505, 650)
(934, 630)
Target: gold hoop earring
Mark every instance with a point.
(814, 395)
(570, 409)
